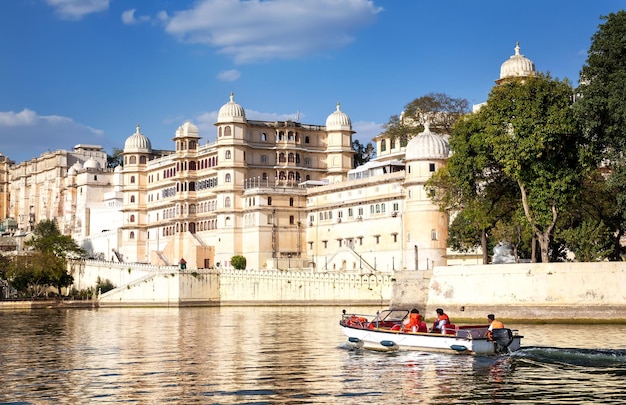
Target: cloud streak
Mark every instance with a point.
(77, 9)
(253, 30)
(42, 133)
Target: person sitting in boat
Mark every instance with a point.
(493, 324)
(440, 322)
(412, 323)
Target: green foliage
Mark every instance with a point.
(238, 262)
(363, 153)
(601, 109)
(590, 242)
(115, 158)
(103, 286)
(441, 110)
(48, 238)
(45, 265)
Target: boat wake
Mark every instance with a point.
(600, 358)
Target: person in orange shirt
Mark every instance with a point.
(493, 324)
(412, 323)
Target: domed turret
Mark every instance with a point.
(91, 163)
(516, 66)
(231, 112)
(187, 130)
(427, 145)
(338, 120)
(137, 143)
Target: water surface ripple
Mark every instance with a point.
(284, 355)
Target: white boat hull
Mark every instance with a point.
(388, 340)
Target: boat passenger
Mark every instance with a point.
(440, 322)
(412, 323)
(493, 324)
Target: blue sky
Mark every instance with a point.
(89, 71)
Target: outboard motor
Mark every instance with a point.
(502, 338)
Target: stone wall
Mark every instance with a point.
(523, 292)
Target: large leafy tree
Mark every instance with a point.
(45, 265)
(601, 108)
(474, 186)
(536, 142)
(441, 110)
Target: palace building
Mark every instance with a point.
(283, 194)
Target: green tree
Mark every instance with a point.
(45, 265)
(531, 128)
(238, 262)
(363, 153)
(441, 110)
(601, 109)
(115, 158)
(474, 187)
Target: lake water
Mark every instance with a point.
(284, 355)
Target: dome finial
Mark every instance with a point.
(137, 129)
(517, 48)
(338, 106)
(232, 97)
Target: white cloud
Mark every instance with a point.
(77, 9)
(366, 130)
(254, 30)
(26, 134)
(129, 18)
(229, 75)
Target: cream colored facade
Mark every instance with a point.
(282, 194)
(5, 194)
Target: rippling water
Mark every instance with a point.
(276, 355)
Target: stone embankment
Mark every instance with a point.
(528, 292)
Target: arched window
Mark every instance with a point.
(291, 201)
(142, 160)
(281, 158)
(227, 178)
(132, 218)
(227, 131)
(192, 144)
(306, 139)
(291, 220)
(263, 137)
(132, 179)
(292, 158)
(132, 199)
(227, 202)
(392, 144)
(383, 145)
(263, 158)
(264, 176)
(131, 235)
(133, 160)
(219, 132)
(227, 155)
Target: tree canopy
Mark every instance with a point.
(45, 265)
(441, 110)
(521, 151)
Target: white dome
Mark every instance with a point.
(72, 171)
(187, 130)
(231, 111)
(91, 163)
(427, 145)
(118, 169)
(138, 143)
(517, 66)
(338, 120)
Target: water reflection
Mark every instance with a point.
(283, 355)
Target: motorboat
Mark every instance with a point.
(386, 331)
